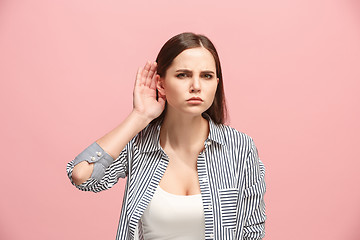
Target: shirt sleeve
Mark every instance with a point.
(253, 200)
(107, 171)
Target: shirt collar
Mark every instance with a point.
(150, 137)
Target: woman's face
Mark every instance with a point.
(191, 74)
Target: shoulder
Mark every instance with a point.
(147, 137)
(151, 130)
(236, 139)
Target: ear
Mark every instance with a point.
(217, 80)
(160, 84)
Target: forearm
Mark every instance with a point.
(112, 143)
(115, 141)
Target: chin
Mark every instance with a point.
(195, 111)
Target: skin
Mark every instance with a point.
(184, 130)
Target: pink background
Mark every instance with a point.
(291, 73)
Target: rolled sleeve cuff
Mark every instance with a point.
(95, 154)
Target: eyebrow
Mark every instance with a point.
(188, 71)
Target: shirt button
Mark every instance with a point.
(93, 158)
(98, 153)
(204, 179)
(211, 235)
(209, 207)
(208, 143)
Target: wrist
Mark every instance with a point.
(140, 117)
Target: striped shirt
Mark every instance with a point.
(230, 172)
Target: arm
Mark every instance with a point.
(108, 147)
(100, 165)
(96, 169)
(253, 200)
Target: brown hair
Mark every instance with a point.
(173, 47)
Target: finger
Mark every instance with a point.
(162, 99)
(153, 81)
(152, 69)
(138, 77)
(145, 71)
(150, 74)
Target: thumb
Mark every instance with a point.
(162, 99)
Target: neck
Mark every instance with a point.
(185, 132)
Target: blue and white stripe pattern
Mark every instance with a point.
(231, 177)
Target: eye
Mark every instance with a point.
(181, 75)
(208, 76)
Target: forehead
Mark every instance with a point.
(194, 58)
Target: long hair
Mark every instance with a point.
(173, 47)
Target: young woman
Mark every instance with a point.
(189, 176)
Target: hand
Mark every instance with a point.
(144, 96)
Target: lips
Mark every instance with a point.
(195, 98)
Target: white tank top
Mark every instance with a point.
(176, 217)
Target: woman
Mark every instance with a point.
(189, 176)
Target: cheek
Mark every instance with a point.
(172, 94)
(169, 91)
(212, 89)
(172, 90)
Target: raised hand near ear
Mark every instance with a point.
(144, 95)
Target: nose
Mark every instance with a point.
(195, 85)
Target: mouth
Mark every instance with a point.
(195, 99)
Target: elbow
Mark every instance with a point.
(81, 172)
(78, 180)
